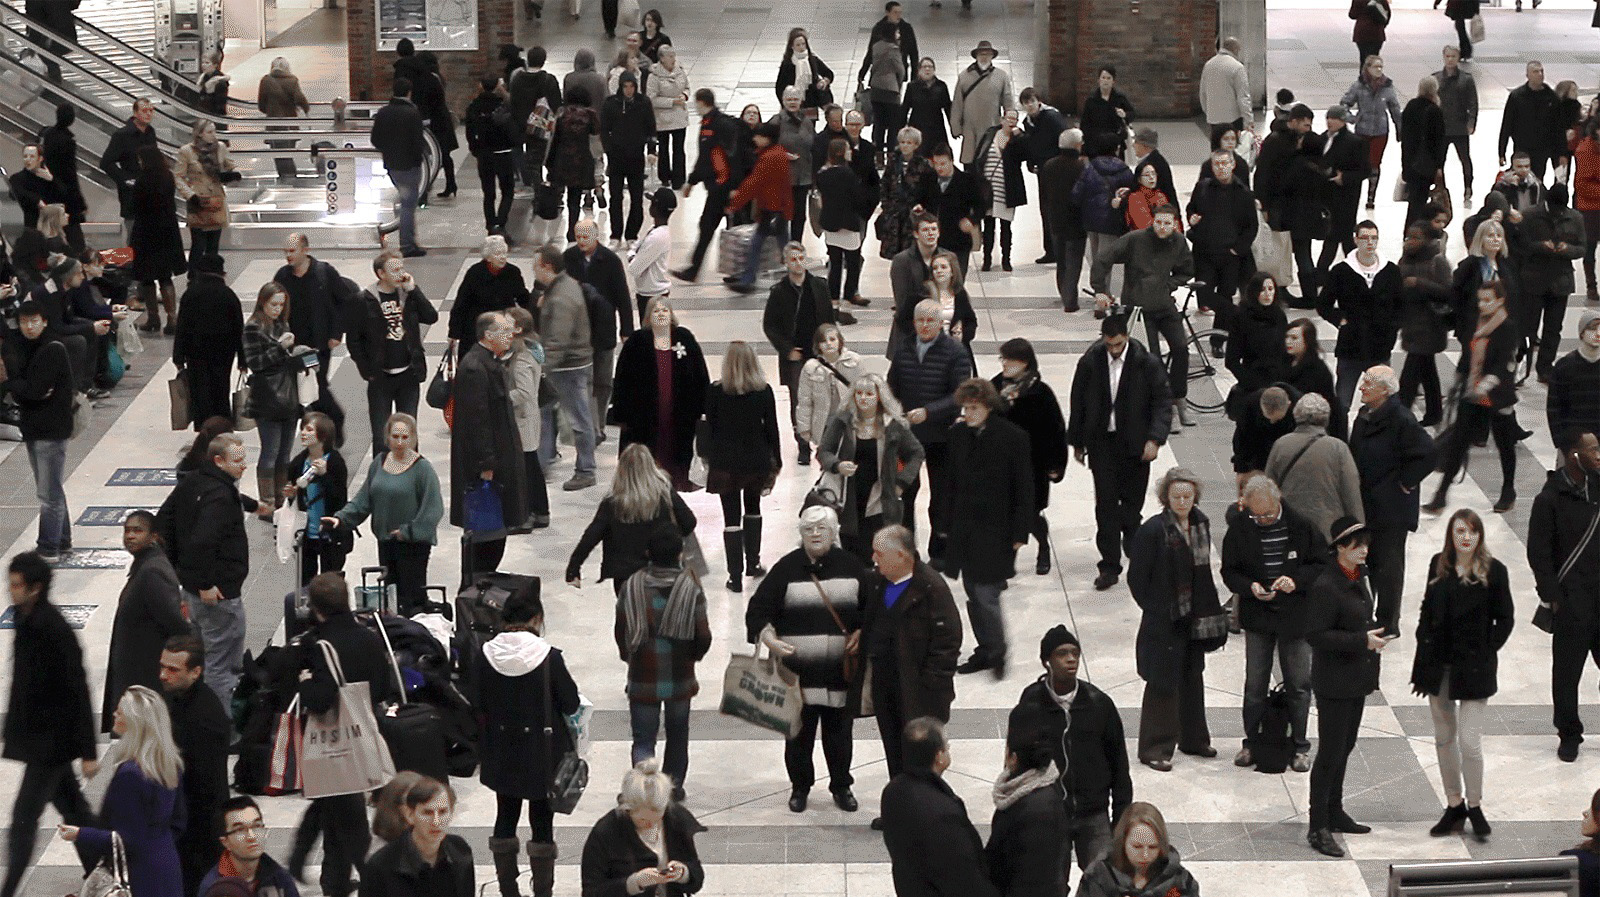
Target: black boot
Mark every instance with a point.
(988, 243)
(1005, 246)
(1480, 825)
(733, 547)
(1589, 280)
(542, 863)
(505, 852)
(1450, 822)
(752, 546)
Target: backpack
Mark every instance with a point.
(1272, 745)
(505, 121)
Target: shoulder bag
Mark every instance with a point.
(569, 776)
(110, 877)
(343, 751)
(1544, 616)
(852, 660)
(1297, 456)
(443, 382)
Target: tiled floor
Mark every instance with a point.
(1242, 831)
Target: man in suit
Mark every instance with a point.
(933, 847)
(953, 197)
(1342, 159)
(1120, 414)
(927, 367)
(911, 637)
(1147, 151)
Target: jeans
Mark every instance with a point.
(935, 454)
(222, 631)
(48, 458)
(407, 563)
(1088, 835)
(669, 160)
(988, 627)
(1462, 143)
(41, 784)
(837, 749)
(844, 273)
(575, 391)
(277, 437)
(407, 185)
(1552, 306)
(1458, 740)
(768, 224)
(1338, 723)
(1421, 371)
(203, 242)
(890, 712)
(1294, 659)
(387, 394)
(644, 718)
(789, 374)
(1347, 374)
(797, 224)
(1465, 37)
(1069, 267)
(627, 173)
(1169, 326)
(495, 170)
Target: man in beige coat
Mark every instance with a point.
(983, 93)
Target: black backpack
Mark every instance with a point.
(505, 119)
(1272, 745)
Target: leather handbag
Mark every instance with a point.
(569, 775)
(443, 382)
(242, 418)
(852, 662)
(178, 400)
(110, 877)
(827, 492)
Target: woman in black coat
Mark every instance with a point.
(157, 245)
(818, 86)
(1426, 313)
(147, 615)
(927, 108)
(1106, 110)
(1029, 829)
(642, 500)
(1307, 372)
(1031, 404)
(429, 93)
(847, 203)
(741, 448)
(522, 681)
(1256, 353)
(1485, 395)
(1422, 146)
(1488, 259)
(319, 483)
(1462, 13)
(662, 420)
(427, 861)
(493, 284)
(1465, 620)
(645, 845)
(1170, 577)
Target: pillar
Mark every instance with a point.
(1247, 20)
(372, 71)
(1156, 46)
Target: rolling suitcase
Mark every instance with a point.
(375, 592)
(414, 732)
(733, 248)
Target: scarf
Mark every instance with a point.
(210, 157)
(1198, 547)
(802, 70)
(1011, 390)
(677, 620)
(1009, 789)
(1480, 344)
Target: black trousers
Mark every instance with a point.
(496, 170)
(1119, 486)
(1365, 48)
(1069, 267)
(1472, 423)
(1169, 326)
(53, 784)
(320, 556)
(837, 748)
(1552, 307)
(1386, 565)
(345, 839)
(789, 373)
(1422, 371)
(541, 819)
(1462, 142)
(890, 713)
(669, 158)
(608, 15)
(711, 218)
(538, 495)
(797, 224)
(1338, 722)
(935, 454)
(844, 273)
(1223, 273)
(1570, 649)
(627, 173)
(408, 570)
(1176, 717)
(198, 852)
(387, 394)
(210, 389)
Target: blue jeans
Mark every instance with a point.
(407, 185)
(645, 721)
(575, 390)
(48, 458)
(222, 631)
(768, 224)
(1294, 659)
(277, 437)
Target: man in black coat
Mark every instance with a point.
(954, 197)
(1574, 399)
(149, 611)
(1283, 190)
(987, 514)
(1045, 125)
(210, 340)
(1120, 414)
(485, 444)
(397, 134)
(1565, 557)
(526, 87)
(202, 526)
(318, 301)
(384, 327)
(1062, 216)
(364, 658)
(59, 147)
(593, 264)
(717, 167)
(924, 374)
(893, 22)
(1263, 417)
(1222, 227)
(1270, 557)
(1394, 454)
(37, 374)
(1086, 741)
(796, 306)
(933, 848)
(201, 727)
(1361, 297)
(1342, 161)
(627, 123)
(48, 721)
(1530, 109)
(120, 161)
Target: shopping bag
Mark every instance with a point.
(484, 511)
(307, 386)
(1477, 31)
(115, 366)
(342, 751)
(763, 692)
(579, 723)
(283, 769)
(178, 400)
(128, 340)
(1268, 252)
(628, 14)
(242, 420)
(288, 520)
(1399, 189)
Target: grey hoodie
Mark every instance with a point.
(585, 77)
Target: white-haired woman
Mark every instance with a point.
(668, 90)
(900, 191)
(797, 132)
(493, 284)
(278, 95)
(645, 845)
(869, 447)
(642, 500)
(1422, 146)
(526, 367)
(202, 168)
(808, 611)
(741, 447)
(142, 806)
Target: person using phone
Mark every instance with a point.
(646, 845)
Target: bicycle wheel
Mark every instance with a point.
(1206, 394)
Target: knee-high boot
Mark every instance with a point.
(1005, 245)
(1588, 279)
(506, 852)
(733, 547)
(169, 301)
(752, 546)
(264, 483)
(542, 863)
(988, 243)
(152, 308)
(1041, 534)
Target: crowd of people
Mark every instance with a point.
(1309, 563)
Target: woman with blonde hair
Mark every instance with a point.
(741, 449)
(642, 500)
(1422, 146)
(202, 167)
(1465, 620)
(645, 845)
(143, 806)
(869, 447)
(661, 414)
(274, 396)
(825, 382)
(1141, 861)
(1488, 260)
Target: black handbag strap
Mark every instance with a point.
(1297, 456)
(1577, 550)
(831, 369)
(549, 728)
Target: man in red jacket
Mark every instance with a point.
(768, 186)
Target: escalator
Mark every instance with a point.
(101, 75)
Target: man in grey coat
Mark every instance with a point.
(1316, 472)
(568, 362)
(1458, 99)
(983, 92)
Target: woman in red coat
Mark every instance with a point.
(767, 186)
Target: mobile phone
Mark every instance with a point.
(1391, 636)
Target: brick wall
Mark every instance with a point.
(371, 71)
(1156, 46)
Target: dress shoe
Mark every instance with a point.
(1567, 751)
(688, 274)
(845, 801)
(1158, 765)
(742, 288)
(1042, 567)
(857, 300)
(414, 252)
(797, 801)
(1480, 825)
(1185, 415)
(1322, 842)
(1451, 822)
(843, 317)
(877, 823)
(1243, 759)
(1507, 501)
(977, 663)
(1177, 425)
(1343, 824)
(803, 457)
(679, 795)
(538, 521)
(1046, 259)
(1104, 581)
(1206, 752)
(1301, 762)
(735, 584)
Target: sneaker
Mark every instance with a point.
(53, 557)
(578, 481)
(1301, 762)
(538, 521)
(98, 393)
(1243, 760)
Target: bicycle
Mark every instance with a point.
(1205, 394)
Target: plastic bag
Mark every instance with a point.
(288, 520)
(128, 340)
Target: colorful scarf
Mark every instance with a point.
(1198, 547)
(677, 619)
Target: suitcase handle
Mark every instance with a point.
(381, 572)
(442, 605)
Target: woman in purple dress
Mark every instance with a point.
(143, 804)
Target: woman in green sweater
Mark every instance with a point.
(401, 495)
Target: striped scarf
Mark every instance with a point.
(677, 619)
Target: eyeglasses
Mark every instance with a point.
(257, 829)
